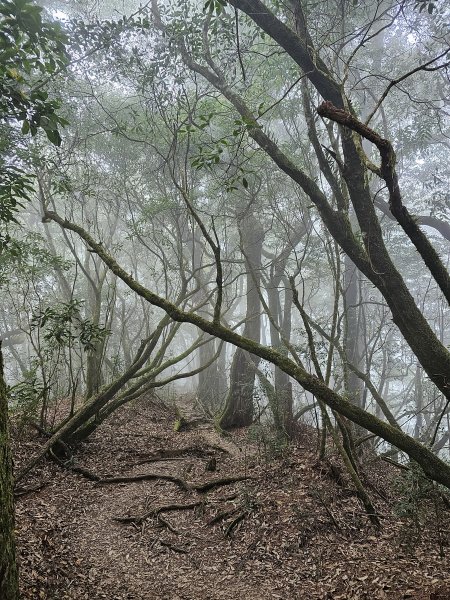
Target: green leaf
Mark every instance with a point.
(53, 136)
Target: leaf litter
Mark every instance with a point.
(287, 527)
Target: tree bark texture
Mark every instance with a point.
(9, 586)
(281, 322)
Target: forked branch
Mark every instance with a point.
(387, 172)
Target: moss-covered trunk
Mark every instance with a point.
(9, 587)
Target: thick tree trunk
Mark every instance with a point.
(212, 383)
(238, 410)
(239, 404)
(95, 355)
(418, 398)
(9, 586)
(352, 344)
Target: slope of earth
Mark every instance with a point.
(205, 517)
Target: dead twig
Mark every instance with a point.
(235, 522)
(224, 515)
(23, 491)
(165, 523)
(198, 487)
(177, 549)
(67, 464)
(327, 510)
(153, 459)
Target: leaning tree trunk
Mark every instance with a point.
(239, 404)
(9, 586)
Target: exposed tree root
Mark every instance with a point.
(165, 523)
(332, 518)
(146, 477)
(176, 453)
(197, 487)
(23, 491)
(177, 549)
(85, 472)
(395, 463)
(154, 459)
(224, 515)
(67, 464)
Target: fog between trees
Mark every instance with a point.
(249, 205)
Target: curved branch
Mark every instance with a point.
(428, 220)
(388, 173)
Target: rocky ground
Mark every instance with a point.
(194, 515)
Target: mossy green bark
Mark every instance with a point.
(9, 586)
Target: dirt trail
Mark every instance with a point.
(289, 530)
(189, 410)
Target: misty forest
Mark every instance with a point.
(224, 299)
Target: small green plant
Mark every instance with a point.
(26, 398)
(419, 501)
(63, 324)
(271, 443)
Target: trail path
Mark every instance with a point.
(287, 531)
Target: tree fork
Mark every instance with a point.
(387, 172)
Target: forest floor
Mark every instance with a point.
(290, 528)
